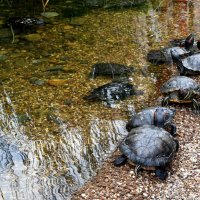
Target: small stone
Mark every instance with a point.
(56, 82)
(49, 14)
(83, 195)
(33, 37)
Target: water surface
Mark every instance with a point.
(52, 140)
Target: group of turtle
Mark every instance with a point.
(150, 143)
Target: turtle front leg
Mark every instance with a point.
(165, 101)
(196, 106)
(137, 168)
(93, 73)
(161, 173)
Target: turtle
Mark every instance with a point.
(110, 69)
(189, 65)
(166, 55)
(148, 147)
(23, 25)
(157, 116)
(23, 21)
(181, 89)
(114, 91)
(179, 48)
(187, 43)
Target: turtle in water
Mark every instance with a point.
(22, 25)
(180, 48)
(148, 147)
(157, 116)
(112, 92)
(110, 69)
(20, 22)
(181, 89)
(189, 65)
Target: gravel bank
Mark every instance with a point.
(184, 173)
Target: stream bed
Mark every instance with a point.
(51, 139)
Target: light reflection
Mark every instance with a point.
(48, 169)
(53, 168)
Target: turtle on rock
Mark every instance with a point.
(178, 49)
(189, 65)
(148, 147)
(157, 116)
(181, 89)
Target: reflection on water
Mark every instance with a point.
(51, 140)
(49, 169)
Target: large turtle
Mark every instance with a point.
(157, 116)
(110, 69)
(181, 89)
(189, 65)
(112, 92)
(149, 147)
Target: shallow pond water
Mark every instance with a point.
(52, 140)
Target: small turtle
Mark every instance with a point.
(180, 48)
(23, 21)
(166, 55)
(157, 116)
(110, 69)
(111, 92)
(189, 65)
(149, 147)
(187, 43)
(181, 89)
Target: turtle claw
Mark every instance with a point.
(196, 106)
(165, 101)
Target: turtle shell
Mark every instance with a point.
(177, 52)
(192, 62)
(149, 146)
(178, 82)
(110, 69)
(112, 92)
(147, 117)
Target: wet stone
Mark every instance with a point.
(36, 81)
(68, 102)
(33, 37)
(5, 33)
(2, 57)
(49, 14)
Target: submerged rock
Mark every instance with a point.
(49, 14)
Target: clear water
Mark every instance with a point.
(51, 140)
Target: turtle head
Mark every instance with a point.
(189, 41)
(163, 116)
(198, 44)
(196, 92)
